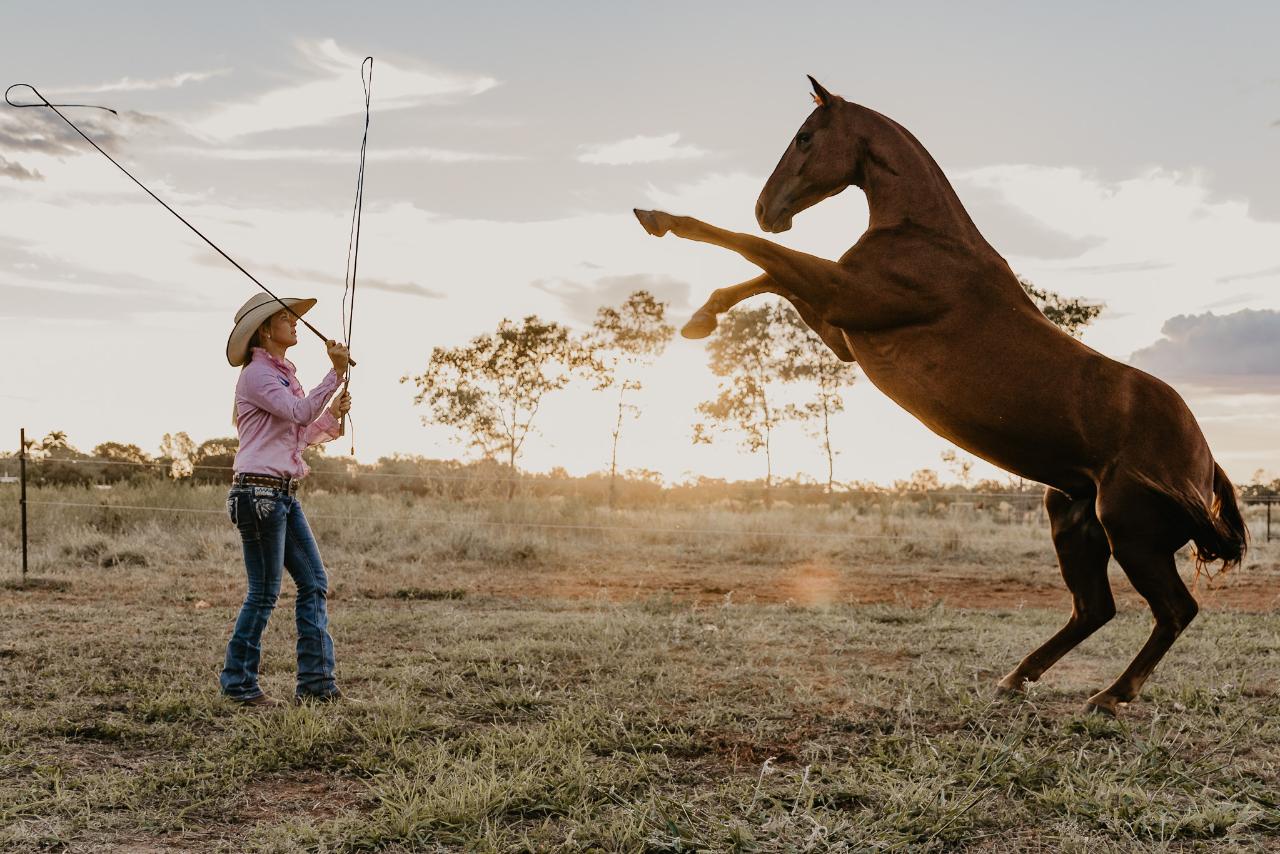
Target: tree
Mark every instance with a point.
(961, 466)
(745, 353)
(121, 453)
(122, 462)
(212, 460)
(621, 343)
(59, 462)
(56, 440)
(177, 449)
(492, 387)
(1071, 315)
(805, 358)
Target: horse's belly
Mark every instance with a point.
(992, 408)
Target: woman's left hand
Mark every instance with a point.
(341, 404)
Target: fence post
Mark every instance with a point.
(22, 499)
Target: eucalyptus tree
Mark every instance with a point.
(177, 449)
(621, 343)
(746, 354)
(805, 359)
(492, 387)
(1071, 315)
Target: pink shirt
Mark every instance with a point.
(276, 421)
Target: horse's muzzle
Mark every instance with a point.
(773, 221)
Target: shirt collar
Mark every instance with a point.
(283, 364)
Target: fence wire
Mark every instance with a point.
(532, 525)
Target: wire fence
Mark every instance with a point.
(328, 477)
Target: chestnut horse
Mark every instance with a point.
(941, 325)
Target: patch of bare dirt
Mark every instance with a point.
(315, 794)
(817, 582)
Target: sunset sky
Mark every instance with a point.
(1126, 154)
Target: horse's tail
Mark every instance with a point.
(1220, 530)
(1217, 526)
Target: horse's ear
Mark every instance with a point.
(821, 96)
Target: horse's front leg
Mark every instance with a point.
(847, 295)
(704, 322)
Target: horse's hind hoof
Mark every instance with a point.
(654, 222)
(1092, 708)
(702, 324)
(1004, 692)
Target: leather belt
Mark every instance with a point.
(288, 485)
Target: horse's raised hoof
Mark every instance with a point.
(702, 324)
(656, 223)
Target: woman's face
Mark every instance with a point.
(282, 329)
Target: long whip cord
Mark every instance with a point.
(44, 102)
(353, 238)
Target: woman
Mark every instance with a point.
(276, 421)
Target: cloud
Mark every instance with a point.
(40, 131)
(1018, 232)
(18, 172)
(334, 155)
(300, 274)
(581, 301)
(1120, 267)
(331, 92)
(639, 149)
(129, 84)
(1253, 274)
(1238, 351)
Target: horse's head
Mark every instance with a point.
(819, 162)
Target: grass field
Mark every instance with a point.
(714, 681)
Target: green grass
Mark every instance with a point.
(540, 723)
(534, 726)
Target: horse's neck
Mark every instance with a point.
(903, 182)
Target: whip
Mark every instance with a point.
(44, 102)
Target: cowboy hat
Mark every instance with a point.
(256, 311)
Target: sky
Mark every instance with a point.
(1126, 154)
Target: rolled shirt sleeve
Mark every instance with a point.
(326, 428)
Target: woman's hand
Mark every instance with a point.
(341, 404)
(338, 355)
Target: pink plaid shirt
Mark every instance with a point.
(276, 421)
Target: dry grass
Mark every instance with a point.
(540, 689)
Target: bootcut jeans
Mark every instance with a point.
(275, 536)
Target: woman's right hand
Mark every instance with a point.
(338, 355)
(341, 405)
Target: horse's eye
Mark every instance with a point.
(802, 138)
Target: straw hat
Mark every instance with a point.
(256, 311)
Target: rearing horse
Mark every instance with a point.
(940, 324)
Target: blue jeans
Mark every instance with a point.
(275, 536)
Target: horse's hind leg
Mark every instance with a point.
(1145, 536)
(703, 322)
(1083, 553)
